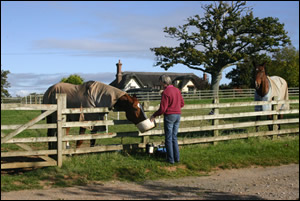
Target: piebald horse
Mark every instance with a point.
(92, 94)
(266, 88)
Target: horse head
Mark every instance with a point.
(260, 75)
(132, 107)
(134, 112)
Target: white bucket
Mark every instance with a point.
(146, 125)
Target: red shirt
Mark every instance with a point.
(171, 101)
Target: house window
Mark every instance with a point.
(191, 88)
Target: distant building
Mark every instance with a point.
(149, 81)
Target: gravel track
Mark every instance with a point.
(255, 183)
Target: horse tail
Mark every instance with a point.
(49, 98)
(286, 97)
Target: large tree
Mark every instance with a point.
(226, 34)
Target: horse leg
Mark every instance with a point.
(67, 133)
(79, 142)
(257, 119)
(280, 117)
(270, 117)
(93, 142)
(51, 132)
(97, 129)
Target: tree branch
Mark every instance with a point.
(196, 68)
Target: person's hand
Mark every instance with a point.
(152, 118)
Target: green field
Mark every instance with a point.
(138, 166)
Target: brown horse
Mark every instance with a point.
(266, 88)
(90, 95)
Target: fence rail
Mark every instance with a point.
(148, 96)
(208, 94)
(211, 129)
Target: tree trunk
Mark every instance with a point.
(215, 82)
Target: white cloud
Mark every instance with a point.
(23, 84)
(129, 34)
(22, 93)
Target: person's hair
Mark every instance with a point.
(165, 79)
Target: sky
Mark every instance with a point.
(44, 41)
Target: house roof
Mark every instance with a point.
(151, 79)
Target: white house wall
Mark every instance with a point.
(185, 88)
(132, 84)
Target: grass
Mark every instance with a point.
(196, 160)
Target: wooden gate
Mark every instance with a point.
(8, 138)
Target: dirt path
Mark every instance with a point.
(256, 183)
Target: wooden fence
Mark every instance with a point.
(212, 129)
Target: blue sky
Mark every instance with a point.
(43, 41)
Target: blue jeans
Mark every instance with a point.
(171, 125)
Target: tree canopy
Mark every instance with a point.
(226, 34)
(285, 64)
(73, 79)
(243, 75)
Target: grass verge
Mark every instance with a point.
(196, 160)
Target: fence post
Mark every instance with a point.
(215, 122)
(275, 116)
(106, 126)
(61, 104)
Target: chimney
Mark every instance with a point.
(204, 77)
(119, 72)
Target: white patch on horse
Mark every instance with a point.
(142, 110)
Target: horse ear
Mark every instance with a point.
(134, 95)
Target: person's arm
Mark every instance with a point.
(182, 101)
(162, 108)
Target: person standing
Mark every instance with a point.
(170, 106)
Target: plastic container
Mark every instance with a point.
(146, 125)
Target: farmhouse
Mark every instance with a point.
(148, 81)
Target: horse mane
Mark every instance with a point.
(124, 102)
